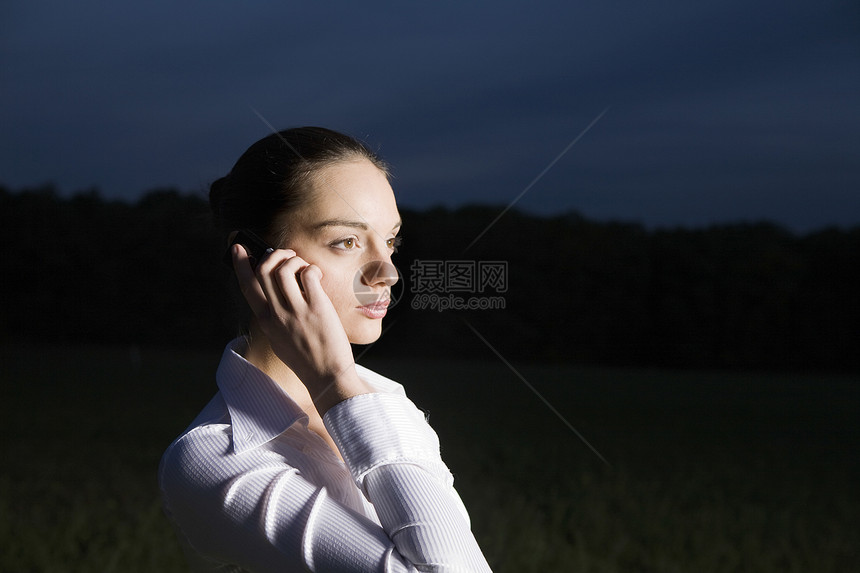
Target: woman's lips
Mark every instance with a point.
(376, 309)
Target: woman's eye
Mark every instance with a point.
(394, 243)
(345, 244)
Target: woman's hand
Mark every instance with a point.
(301, 324)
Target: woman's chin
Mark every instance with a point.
(366, 334)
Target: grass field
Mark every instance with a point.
(708, 471)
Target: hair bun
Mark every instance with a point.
(217, 195)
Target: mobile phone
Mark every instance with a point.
(256, 248)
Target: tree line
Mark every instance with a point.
(747, 295)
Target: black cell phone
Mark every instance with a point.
(256, 248)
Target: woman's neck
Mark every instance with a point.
(259, 353)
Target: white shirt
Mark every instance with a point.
(250, 488)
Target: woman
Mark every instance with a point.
(304, 460)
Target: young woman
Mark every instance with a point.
(303, 460)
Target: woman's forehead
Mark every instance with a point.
(354, 193)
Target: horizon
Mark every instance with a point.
(667, 113)
(502, 209)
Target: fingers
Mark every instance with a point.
(279, 275)
(288, 275)
(276, 285)
(248, 284)
(311, 276)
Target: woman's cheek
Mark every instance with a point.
(338, 288)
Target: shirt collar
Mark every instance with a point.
(259, 409)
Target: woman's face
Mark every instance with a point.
(348, 228)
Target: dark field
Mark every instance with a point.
(709, 471)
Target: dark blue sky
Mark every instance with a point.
(718, 110)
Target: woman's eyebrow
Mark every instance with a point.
(341, 223)
(349, 223)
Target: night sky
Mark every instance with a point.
(715, 110)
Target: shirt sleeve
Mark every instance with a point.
(259, 513)
(393, 455)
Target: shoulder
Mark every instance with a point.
(196, 458)
(200, 455)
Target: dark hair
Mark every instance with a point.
(270, 178)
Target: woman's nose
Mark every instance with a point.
(379, 272)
